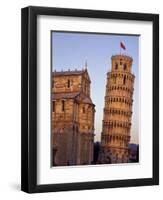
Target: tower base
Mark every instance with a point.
(111, 155)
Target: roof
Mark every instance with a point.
(71, 73)
(67, 73)
(122, 56)
(56, 96)
(73, 95)
(87, 100)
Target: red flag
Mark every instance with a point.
(122, 46)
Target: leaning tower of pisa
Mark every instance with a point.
(115, 135)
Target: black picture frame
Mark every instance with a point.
(29, 99)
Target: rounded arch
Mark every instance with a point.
(124, 80)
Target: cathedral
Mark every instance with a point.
(117, 115)
(72, 118)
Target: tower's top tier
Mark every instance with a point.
(121, 63)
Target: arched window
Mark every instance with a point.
(85, 88)
(116, 158)
(122, 158)
(124, 80)
(53, 106)
(120, 61)
(68, 83)
(83, 109)
(125, 66)
(63, 105)
(116, 65)
(52, 83)
(114, 79)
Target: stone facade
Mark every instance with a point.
(115, 135)
(72, 118)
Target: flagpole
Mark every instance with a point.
(122, 46)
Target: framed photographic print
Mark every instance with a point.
(90, 99)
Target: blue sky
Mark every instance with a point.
(71, 50)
